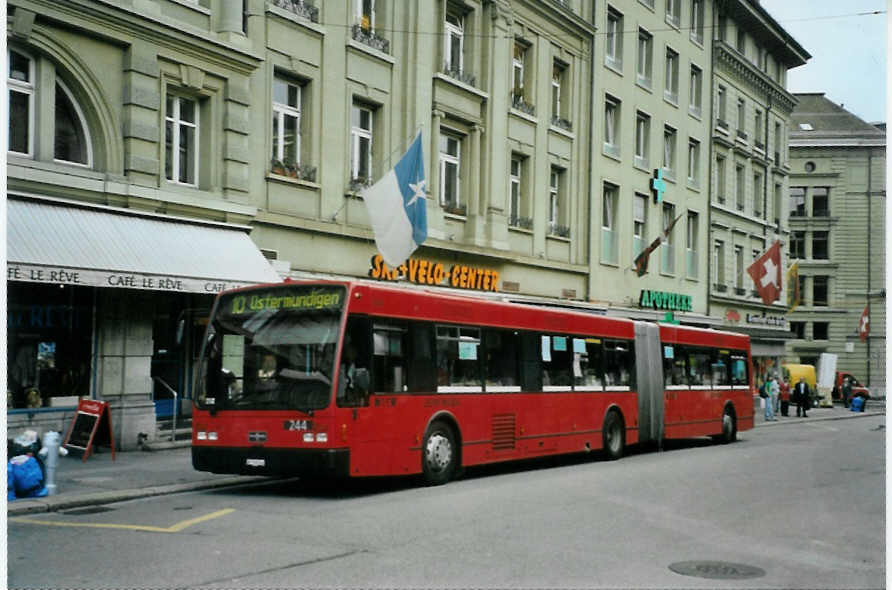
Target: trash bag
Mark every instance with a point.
(857, 404)
(27, 477)
(10, 486)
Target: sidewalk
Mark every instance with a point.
(133, 474)
(138, 474)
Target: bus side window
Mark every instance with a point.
(530, 363)
(354, 367)
(389, 341)
(739, 369)
(674, 365)
(619, 359)
(556, 360)
(588, 370)
(501, 355)
(458, 357)
(720, 369)
(699, 363)
(422, 376)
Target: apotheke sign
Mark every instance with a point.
(101, 278)
(665, 301)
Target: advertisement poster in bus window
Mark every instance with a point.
(560, 344)
(546, 349)
(579, 345)
(467, 351)
(668, 352)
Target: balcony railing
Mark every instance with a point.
(760, 145)
(520, 222)
(370, 38)
(300, 8)
(556, 229)
(739, 291)
(293, 170)
(741, 134)
(721, 123)
(561, 123)
(720, 287)
(518, 103)
(460, 75)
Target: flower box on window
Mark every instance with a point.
(461, 75)
(357, 185)
(518, 103)
(562, 123)
(300, 8)
(521, 222)
(456, 210)
(561, 231)
(370, 38)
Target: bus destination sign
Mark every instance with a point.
(428, 272)
(316, 299)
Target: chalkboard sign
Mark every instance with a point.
(90, 427)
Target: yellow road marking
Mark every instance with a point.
(132, 527)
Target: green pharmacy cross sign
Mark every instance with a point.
(658, 185)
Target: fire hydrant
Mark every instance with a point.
(51, 451)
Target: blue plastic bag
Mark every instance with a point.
(10, 486)
(27, 477)
(857, 404)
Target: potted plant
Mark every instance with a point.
(277, 167)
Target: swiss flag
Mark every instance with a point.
(766, 273)
(864, 325)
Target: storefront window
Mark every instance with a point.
(49, 344)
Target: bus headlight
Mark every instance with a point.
(212, 436)
(201, 435)
(308, 437)
(322, 437)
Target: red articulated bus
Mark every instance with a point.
(367, 379)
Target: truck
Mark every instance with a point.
(857, 387)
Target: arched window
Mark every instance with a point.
(68, 139)
(71, 141)
(20, 82)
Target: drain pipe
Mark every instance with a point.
(869, 225)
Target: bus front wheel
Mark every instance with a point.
(729, 427)
(614, 435)
(439, 454)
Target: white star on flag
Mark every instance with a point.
(770, 276)
(418, 190)
(864, 330)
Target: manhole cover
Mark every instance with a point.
(89, 510)
(717, 570)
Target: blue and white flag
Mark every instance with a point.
(397, 207)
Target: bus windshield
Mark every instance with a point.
(271, 349)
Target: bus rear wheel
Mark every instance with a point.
(439, 454)
(729, 428)
(614, 435)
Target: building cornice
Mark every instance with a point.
(779, 97)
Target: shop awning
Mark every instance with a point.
(59, 242)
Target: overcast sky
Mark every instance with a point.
(848, 52)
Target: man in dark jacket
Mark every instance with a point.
(846, 392)
(801, 397)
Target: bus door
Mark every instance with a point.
(649, 373)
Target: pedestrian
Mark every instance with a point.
(785, 397)
(773, 390)
(801, 398)
(846, 391)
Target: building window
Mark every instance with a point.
(515, 195)
(669, 141)
(20, 82)
(362, 138)
(181, 140)
(757, 194)
(778, 143)
(820, 201)
(673, 12)
(820, 245)
(720, 179)
(614, 52)
(797, 244)
(555, 203)
(559, 103)
(718, 264)
(642, 140)
(820, 291)
(287, 97)
(639, 223)
(741, 119)
(71, 138)
(697, 21)
(519, 98)
(723, 27)
(450, 173)
(778, 199)
(691, 245)
(821, 330)
(739, 270)
(668, 247)
(364, 13)
(671, 91)
(643, 73)
(798, 329)
(721, 98)
(802, 284)
(696, 99)
(740, 188)
(797, 201)
(694, 162)
(453, 51)
(608, 223)
(611, 126)
(741, 41)
(758, 140)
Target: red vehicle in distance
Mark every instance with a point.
(368, 379)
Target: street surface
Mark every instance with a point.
(801, 505)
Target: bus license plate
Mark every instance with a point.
(255, 462)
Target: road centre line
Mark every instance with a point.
(175, 528)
